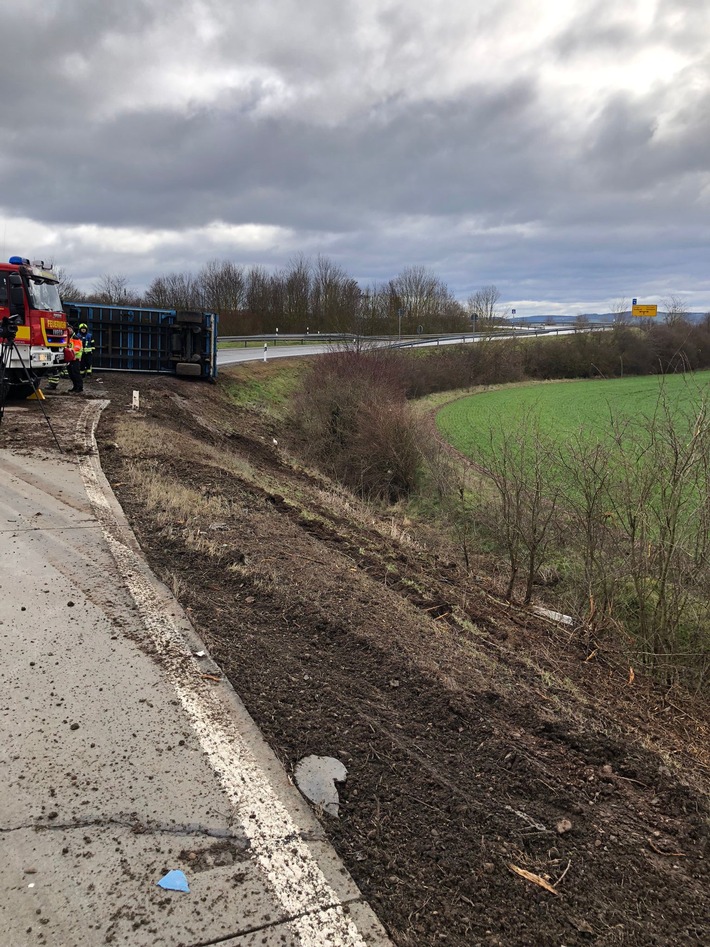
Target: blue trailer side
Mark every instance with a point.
(135, 339)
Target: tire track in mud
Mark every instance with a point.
(453, 765)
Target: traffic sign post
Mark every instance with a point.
(648, 312)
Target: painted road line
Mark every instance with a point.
(317, 915)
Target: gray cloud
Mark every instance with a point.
(381, 134)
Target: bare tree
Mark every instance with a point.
(297, 281)
(335, 297)
(222, 286)
(67, 287)
(621, 309)
(175, 291)
(417, 297)
(112, 290)
(483, 304)
(675, 309)
(660, 501)
(519, 463)
(257, 290)
(588, 472)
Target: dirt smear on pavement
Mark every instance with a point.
(480, 741)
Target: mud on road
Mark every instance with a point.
(480, 741)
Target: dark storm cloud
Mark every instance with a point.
(162, 168)
(385, 134)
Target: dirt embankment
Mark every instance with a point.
(479, 741)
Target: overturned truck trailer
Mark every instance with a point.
(131, 339)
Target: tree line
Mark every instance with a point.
(305, 296)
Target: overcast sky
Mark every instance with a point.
(558, 150)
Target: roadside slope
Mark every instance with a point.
(477, 738)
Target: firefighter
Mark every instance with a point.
(87, 351)
(72, 364)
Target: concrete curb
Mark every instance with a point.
(303, 873)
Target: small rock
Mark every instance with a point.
(394, 682)
(316, 777)
(70, 604)
(564, 825)
(582, 926)
(74, 726)
(607, 769)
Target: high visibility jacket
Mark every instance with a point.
(73, 349)
(87, 339)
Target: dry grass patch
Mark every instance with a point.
(170, 502)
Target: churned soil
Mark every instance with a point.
(508, 784)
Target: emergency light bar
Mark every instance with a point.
(38, 268)
(48, 275)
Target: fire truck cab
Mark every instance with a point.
(29, 302)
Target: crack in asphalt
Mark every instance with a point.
(274, 924)
(142, 828)
(137, 827)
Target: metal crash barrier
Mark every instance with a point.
(149, 340)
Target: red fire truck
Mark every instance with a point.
(29, 302)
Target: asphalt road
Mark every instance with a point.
(125, 754)
(233, 356)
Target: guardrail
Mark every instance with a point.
(314, 338)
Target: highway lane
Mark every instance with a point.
(234, 356)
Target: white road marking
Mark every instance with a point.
(293, 875)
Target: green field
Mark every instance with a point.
(565, 408)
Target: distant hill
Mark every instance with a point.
(592, 317)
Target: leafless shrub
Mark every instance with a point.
(518, 462)
(587, 472)
(357, 425)
(660, 499)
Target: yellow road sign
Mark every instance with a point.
(644, 311)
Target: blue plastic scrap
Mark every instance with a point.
(174, 881)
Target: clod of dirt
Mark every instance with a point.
(316, 777)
